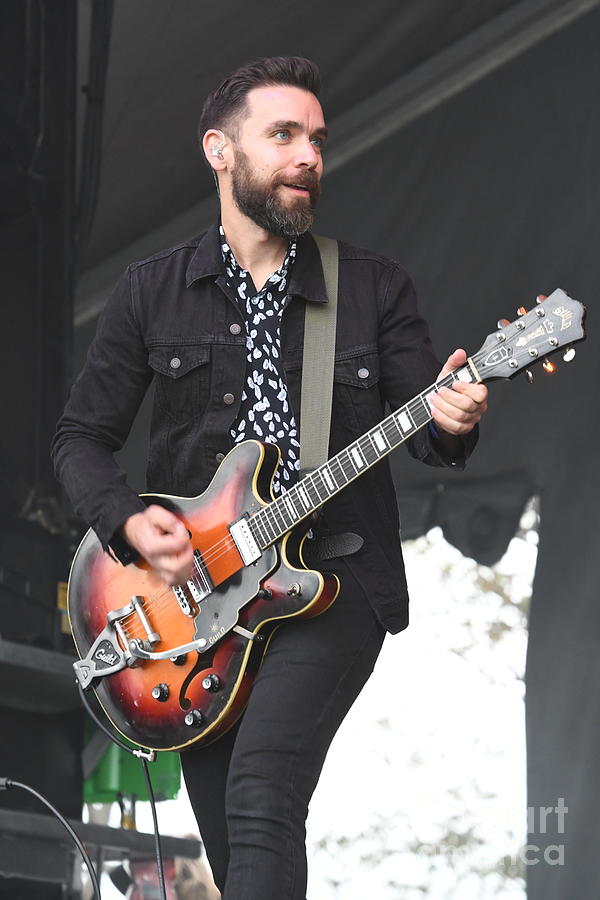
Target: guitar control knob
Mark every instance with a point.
(295, 590)
(265, 594)
(194, 718)
(211, 682)
(160, 692)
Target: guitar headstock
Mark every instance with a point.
(555, 322)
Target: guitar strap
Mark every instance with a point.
(318, 358)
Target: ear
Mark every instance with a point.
(213, 144)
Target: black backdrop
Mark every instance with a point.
(488, 199)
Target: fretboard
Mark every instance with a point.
(271, 522)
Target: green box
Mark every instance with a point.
(118, 772)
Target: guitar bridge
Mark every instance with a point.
(110, 651)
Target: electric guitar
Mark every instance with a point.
(174, 666)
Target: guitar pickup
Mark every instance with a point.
(244, 541)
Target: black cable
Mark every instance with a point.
(140, 755)
(6, 783)
(157, 847)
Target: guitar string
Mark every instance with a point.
(224, 545)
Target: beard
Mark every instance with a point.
(261, 202)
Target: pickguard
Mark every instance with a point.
(219, 611)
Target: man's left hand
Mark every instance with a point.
(457, 410)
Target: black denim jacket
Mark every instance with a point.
(173, 318)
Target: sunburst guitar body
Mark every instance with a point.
(213, 631)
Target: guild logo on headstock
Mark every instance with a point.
(565, 315)
(500, 354)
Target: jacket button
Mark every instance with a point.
(175, 362)
(235, 328)
(363, 373)
(220, 457)
(228, 399)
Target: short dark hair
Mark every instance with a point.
(228, 102)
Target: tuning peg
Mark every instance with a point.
(548, 367)
(529, 375)
(502, 323)
(569, 354)
(521, 311)
(540, 298)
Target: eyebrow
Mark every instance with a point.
(290, 124)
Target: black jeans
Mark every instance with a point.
(250, 790)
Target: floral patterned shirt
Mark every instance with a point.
(265, 412)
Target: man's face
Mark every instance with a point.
(278, 163)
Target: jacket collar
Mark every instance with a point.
(307, 272)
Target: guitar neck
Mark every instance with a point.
(271, 522)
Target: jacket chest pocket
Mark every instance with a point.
(356, 386)
(182, 376)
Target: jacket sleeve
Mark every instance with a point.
(408, 364)
(98, 417)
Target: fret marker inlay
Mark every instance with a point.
(405, 422)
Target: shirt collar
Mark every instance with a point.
(307, 279)
(231, 263)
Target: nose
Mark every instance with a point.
(308, 155)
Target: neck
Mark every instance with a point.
(255, 249)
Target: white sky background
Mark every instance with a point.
(423, 790)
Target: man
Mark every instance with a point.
(218, 323)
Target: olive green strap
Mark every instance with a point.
(317, 365)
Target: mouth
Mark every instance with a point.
(298, 189)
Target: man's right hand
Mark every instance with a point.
(164, 542)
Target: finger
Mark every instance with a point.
(174, 568)
(453, 425)
(158, 542)
(477, 392)
(165, 519)
(456, 359)
(448, 399)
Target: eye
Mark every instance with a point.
(318, 142)
(282, 134)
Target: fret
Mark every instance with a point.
(346, 462)
(283, 513)
(357, 457)
(420, 411)
(268, 525)
(303, 497)
(404, 420)
(289, 506)
(425, 400)
(379, 439)
(309, 486)
(326, 476)
(464, 374)
(260, 530)
(320, 487)
(278, 517)
(367, 449)
(393, 437)
(341, 479)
